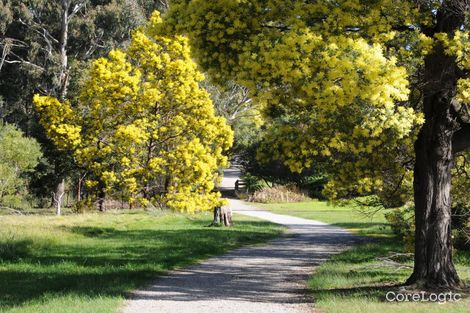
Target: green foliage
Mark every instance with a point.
(314, 184)
(5, 16)
(31, 36)
(271, 170)
(268, 169)
(461, 237)
(403, 225)
(402, 222)
(402, 219)
(19, 155)
(253, 183)
(232, 101)
(461, 182)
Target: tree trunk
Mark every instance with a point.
(222, 215)
(432, 183)
(216, 219)
(58, 195)
(101, 196)
(101, 206)
(79, 188)
(63, 42)
(63, 82)
(226, 215)
(433, 267)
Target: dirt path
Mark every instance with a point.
(260, 279)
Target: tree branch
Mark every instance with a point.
(44, 33)
(6, 50)
(23, 61)
(77, 7)
(281, 28)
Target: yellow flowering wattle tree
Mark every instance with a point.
(143, 126)
(375, 90)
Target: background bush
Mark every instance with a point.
(19, 155)
(403, 225)
(278, 194)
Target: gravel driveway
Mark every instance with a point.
(259, 279)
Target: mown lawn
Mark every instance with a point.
(356, 281)
(87, 263)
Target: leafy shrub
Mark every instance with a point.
(403, 225)
(314, 185)
(461, 236)
(278, 194)
(83, 206)
(19, 155)
(253, 183)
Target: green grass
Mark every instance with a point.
(87, 263)
(348, 218)
(356, 281)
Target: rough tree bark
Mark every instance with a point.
(222, 216)
(433, 267)
(215, 221)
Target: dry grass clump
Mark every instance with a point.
(278, 194)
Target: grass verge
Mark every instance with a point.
(357, 280)
(87, 263)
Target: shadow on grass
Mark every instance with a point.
(11, 250)
(363, 225)
(110, 262)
